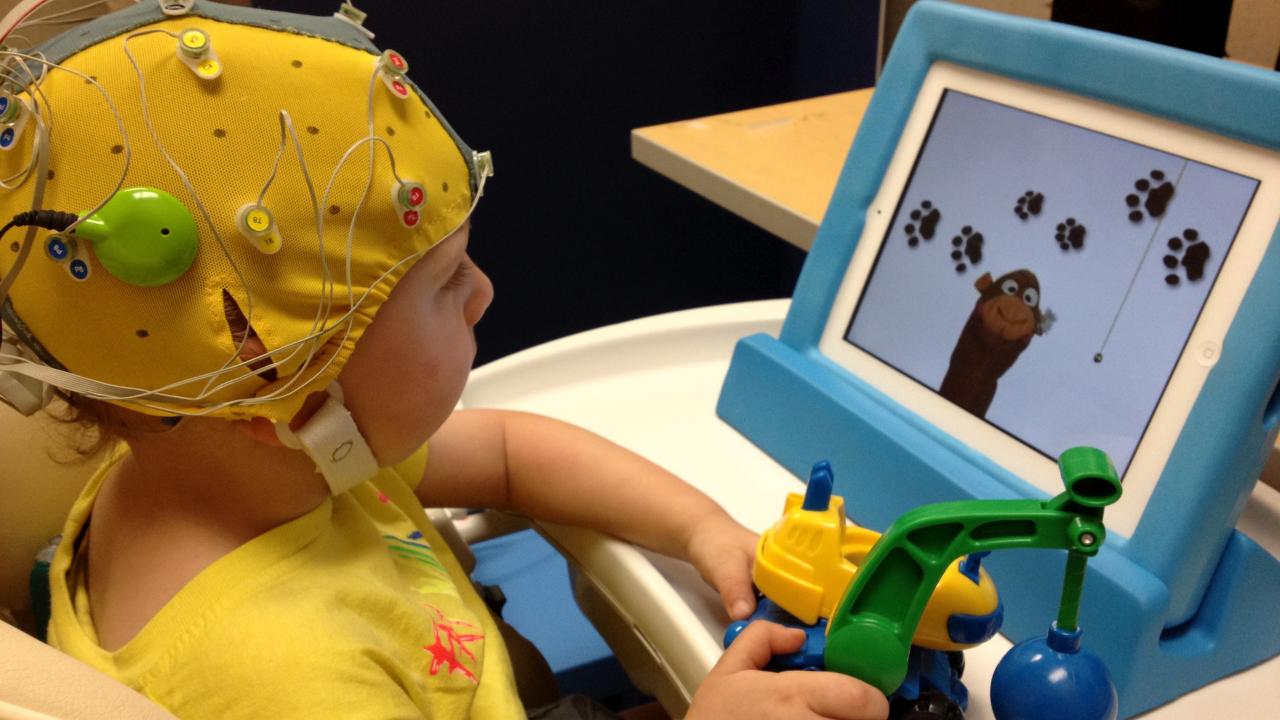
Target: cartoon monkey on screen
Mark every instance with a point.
(1000, 327)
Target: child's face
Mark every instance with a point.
(410, 366)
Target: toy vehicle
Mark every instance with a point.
(896, 610)
(806, 562)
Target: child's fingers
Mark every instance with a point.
(757, 644)
(841, 697)
(725, 562)
(733, 581)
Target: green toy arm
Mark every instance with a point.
(869, 635)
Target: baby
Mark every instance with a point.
(270, 304)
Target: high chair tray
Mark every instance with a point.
(651, 385)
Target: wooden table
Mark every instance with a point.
(775, 166)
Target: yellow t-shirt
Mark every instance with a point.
(355, 610)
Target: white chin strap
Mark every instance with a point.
(332, 440)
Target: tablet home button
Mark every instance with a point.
(1208, 352)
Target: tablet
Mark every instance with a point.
(1039, 271)
(1045, 237)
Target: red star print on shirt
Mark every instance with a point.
(448, 643)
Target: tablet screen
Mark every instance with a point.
(1046, 277)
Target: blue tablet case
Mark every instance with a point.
(1186, 599)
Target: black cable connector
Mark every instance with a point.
(48, 219)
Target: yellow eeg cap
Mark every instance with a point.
(225, 134)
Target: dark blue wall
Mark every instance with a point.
(574, 233)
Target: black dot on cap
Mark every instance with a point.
(296, 63)
(334, 209)
(50, 175)
(15, 246)
(219, 133)
(444, 186)
(117, 149)
(142, 333)
(313, 129)
(391, 130)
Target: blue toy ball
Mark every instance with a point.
(1052, 678)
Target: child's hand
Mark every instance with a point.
(737, 687)
(723, 552)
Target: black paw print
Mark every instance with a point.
(968, 244)
(927, 216)
(1031, 203)
(1070, 235)
(1194, 256)
(1158, 192)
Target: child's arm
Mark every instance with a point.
(737, 687)
(558, 472)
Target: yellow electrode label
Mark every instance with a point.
(258, 220)
(269, 244)
(195, 41)
(258, 226)
(196, 52)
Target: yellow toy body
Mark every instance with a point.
(809, 558)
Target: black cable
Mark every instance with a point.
(47, 219)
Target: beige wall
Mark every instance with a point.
(35, 34)
(1029, 8)
(1253, 37)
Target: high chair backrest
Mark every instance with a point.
(36, 491)
(38, 484)
(38, 682)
